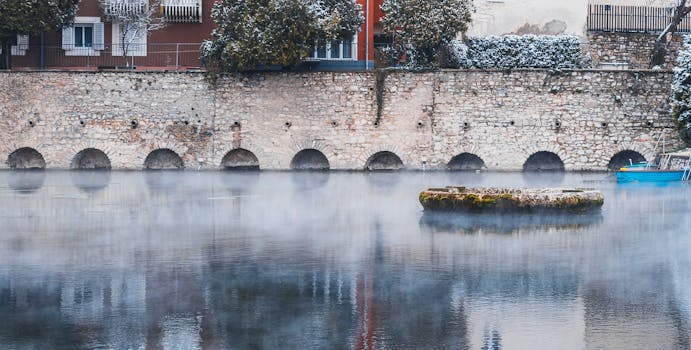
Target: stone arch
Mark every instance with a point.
(543, 161)
(466, 161)
(26, 158)
(240, 159)
(384, 160)
(91, 158)
(623, 158)
(309, 159)
(163, 159)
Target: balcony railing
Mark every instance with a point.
(115, 8)
(633, 19)
(182, 10)
(172, 56)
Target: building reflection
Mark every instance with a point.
(275, 304)
(216, 271)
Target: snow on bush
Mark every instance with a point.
(519, 51)
(423, 27)
(250, 34)
(681, 90)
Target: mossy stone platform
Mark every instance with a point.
(508, 200)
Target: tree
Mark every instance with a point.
(427, 26)
(681, 91)
(660, 47)
(134, 19)
(253, 33)
(31, 17)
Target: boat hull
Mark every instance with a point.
(650, 176)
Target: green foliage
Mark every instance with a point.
(253, 33)
(681, 91)
(424, 28)
(32, 17)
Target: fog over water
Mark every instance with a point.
(299, 260)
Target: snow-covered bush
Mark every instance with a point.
(423, 28)
(681, 91)
(256, 33)
(519, 51)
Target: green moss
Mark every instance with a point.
(503, 201)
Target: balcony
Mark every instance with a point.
(120, 8)
(184, 11)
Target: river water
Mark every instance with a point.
(281, 260)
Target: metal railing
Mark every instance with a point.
(632, 19)
(165, 56)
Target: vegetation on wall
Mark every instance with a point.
(255, 33)
(681, 91)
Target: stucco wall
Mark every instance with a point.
(426, 119)
(508, 16)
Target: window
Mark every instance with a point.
(83, 35)
(336, 50)
(321, 50)
(20, 46)
(347, 49)
(84, 38)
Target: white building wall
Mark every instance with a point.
(497, 17)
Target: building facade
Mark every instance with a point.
(97, 40)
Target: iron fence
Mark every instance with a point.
(177, 56)
(633, 19)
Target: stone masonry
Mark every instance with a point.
(628, 50)
(584, 117)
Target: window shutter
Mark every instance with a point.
(22, 42)
(67, 38)
(98, 36)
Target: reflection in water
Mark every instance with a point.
(240, 182)
(384, 180)
(90, 180)
(309, 180)
(161, 180)
(544, 178)
(26, 181)
(506, 223)
(278, 266)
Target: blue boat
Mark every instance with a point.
(673, 167)
(651, 175)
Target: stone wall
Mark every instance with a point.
(627, 50)
(584, 117)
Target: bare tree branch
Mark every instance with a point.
(681, 10)
(134, 19)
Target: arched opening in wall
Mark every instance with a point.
(163, 159)
(465, 162)
(91, 159)
(624, 158)
(26, 158)
(240, 159)
(383, 160)
(309, 159)
(543, 161)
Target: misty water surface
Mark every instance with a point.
(210, 260)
